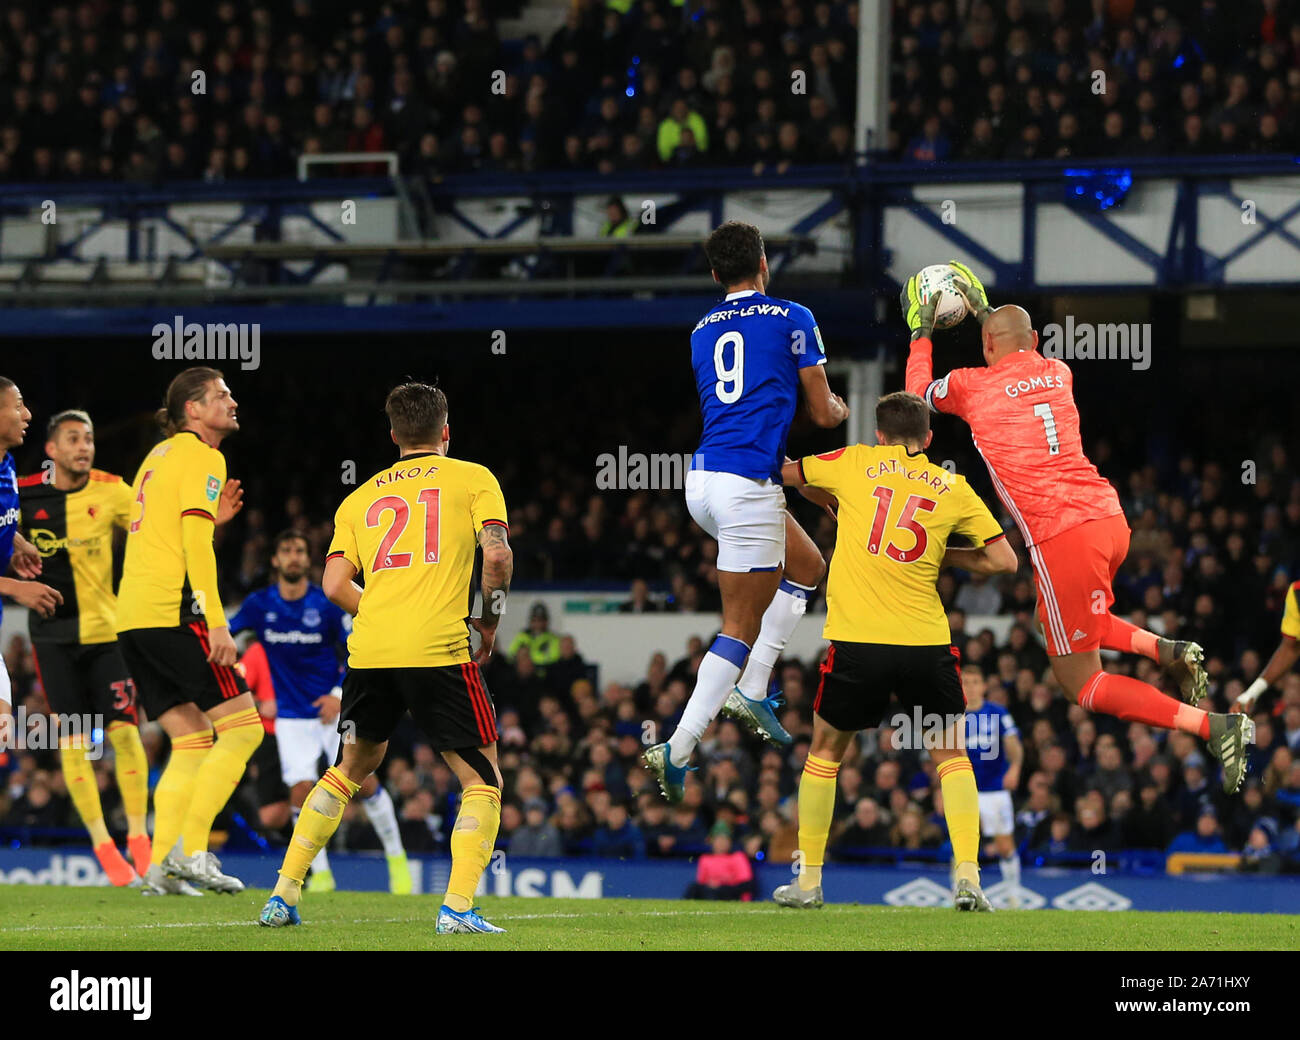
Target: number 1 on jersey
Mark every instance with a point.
(1044, 412)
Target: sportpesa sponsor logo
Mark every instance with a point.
(47, 543)
(753, 310)
(10, 516)
(292, 637)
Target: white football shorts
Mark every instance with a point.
(997, 815)
(301, 743)
(746, 516)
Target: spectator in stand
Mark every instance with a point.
(723, 873)
(867, 830)
(1054, 846)
(618, 222)
(639, 601)
(567, 669)
(1149, 824)
(618, 837)
(1261, 855)
(1205, 838)
(979, 595)
(542, 644)
(681, 118)
(930, 145)
(537, 837)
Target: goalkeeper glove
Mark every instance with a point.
(918, 312)
(972, 289)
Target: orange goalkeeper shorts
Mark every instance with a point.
(1074, 572)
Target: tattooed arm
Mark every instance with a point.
(498, 567)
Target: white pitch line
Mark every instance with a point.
(406, 920)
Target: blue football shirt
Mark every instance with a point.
(747, 352)
(985, 729)
(10, 514)
(302, 639)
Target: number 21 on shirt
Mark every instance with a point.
(400, 510)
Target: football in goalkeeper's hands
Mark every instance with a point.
(939, 278)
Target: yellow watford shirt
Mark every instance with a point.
(411, 531)
(182, 476)
(73, 532)
(1291, 613)
(896, 513)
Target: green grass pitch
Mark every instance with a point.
(42, 918)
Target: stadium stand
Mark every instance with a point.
(108, 92)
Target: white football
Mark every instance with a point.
(938, 278)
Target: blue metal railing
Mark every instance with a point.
(864, 194)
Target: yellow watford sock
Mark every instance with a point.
(238, 736)
(132, 771)
(961, 808)
(472, 841)
(171, 798)
(79, 775)
(319, 819)
(816, 806)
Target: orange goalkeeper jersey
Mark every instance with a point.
(1024, 423)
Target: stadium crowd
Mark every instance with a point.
(1213, 567)
(91, 91)
(1019, 80)
(144, 92)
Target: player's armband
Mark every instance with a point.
(937, 390)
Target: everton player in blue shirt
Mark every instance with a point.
(995, 752)
(303, 635)
(751, 354)
(14, 548)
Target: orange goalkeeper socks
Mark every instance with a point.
(1135, 701)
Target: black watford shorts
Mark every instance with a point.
(86, 679)
(449, 703)
(170, 667)
(271, 787)
(858, 678)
